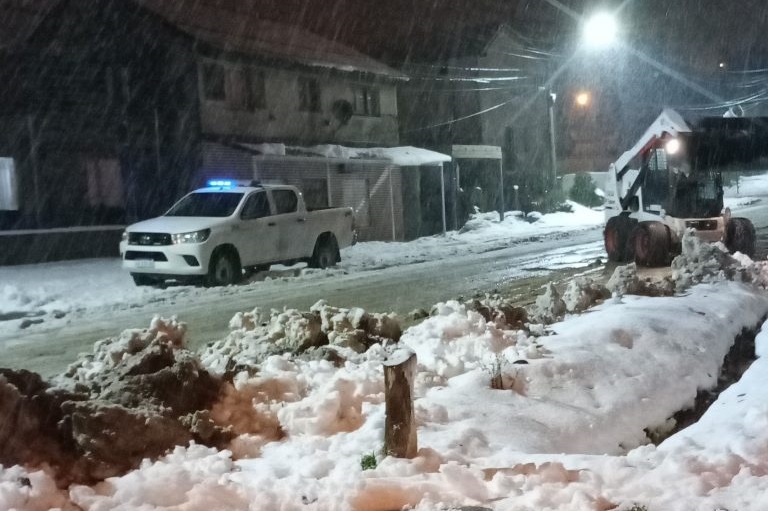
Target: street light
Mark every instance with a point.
(600, 30)
(582, 99)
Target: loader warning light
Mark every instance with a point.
(673, 146)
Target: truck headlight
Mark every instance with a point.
(190, 237)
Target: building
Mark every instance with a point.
(491, 90)
(113, 109)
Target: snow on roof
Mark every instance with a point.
(405, 156)
(241, 30)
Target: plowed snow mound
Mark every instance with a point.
(136, 396)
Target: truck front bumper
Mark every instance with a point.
(166, 260)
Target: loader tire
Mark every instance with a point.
(740, 236)
(616, 238)
(650, 242)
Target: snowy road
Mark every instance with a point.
(51, 313)
(48, 348)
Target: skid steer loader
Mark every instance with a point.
(671, 181)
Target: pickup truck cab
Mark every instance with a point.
(215, 234)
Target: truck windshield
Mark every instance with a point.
(206, 204)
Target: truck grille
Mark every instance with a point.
(149, 238)
(133, 255)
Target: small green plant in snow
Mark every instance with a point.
(368, 461)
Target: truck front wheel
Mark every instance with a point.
(143, 280)
(650, 243)
(224, 269)
(740, 236)
(326, 253)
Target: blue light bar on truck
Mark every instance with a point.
(221, 183)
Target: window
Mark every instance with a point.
(285, 201)
(256, 206)
(309, 95)
(255, 95)
(214, 82)
(367, 101)
(9, 191)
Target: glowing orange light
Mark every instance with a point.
(582, 99)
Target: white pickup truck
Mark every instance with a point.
(216, 234)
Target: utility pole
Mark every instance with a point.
(551, 98)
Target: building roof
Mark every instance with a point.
(227, 25)
(20, 18)
(237, 28)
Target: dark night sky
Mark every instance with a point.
(694, 33)
(690, 36)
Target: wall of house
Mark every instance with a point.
(281, 119)
(100, 118)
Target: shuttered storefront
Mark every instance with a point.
(371, 188)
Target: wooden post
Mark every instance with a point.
(400, 426)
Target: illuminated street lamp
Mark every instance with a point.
(600, 30)
(582, 99)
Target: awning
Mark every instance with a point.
(404, 156)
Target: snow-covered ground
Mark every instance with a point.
(46, 291)
(566, 432)
(745, 191)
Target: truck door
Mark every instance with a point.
(259, 231)
(292, 224)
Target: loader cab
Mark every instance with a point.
(679, 182)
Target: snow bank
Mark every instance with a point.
(591, 388)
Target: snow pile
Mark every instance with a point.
(136, 395)
(625, 281)
(30, 491)
(516, 220)
(582, 293)
(596, 386)
(701, 262)
(497, 309)
(455, 340)
(257, 336)
(549, 306)
(109, 353)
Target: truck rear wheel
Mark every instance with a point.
(615, 236)
(326, 252)
(224, 269)
(650, 243)
(740, 236)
